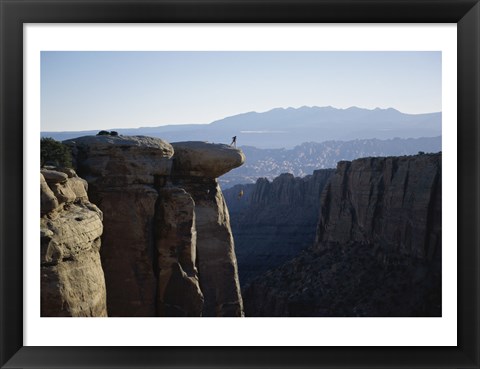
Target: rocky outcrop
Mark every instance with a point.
(196, 167)
(377, 249)
(72, 280)
(121, 172)
(393, 203)
(273, 222)
(167, 245)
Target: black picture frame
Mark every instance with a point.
(15, 13)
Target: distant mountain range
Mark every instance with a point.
(287, 128)
(303, 159)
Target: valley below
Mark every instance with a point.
(375, 249)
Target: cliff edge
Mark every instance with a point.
(167, 245)
(377, 250)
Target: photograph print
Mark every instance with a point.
(241, 184)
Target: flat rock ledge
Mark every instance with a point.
(203, 159)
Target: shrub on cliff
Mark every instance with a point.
(106, 133)
(54, 153)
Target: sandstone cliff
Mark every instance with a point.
(273, 221)
(72, 280)
(167, 247)
(392, 203)
(377, 249)
(197, 166)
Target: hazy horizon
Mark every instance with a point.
(246, 112)
(107, 90)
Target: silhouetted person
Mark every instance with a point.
(234, 141)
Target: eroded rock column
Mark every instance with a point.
(197, 165)
(179, 291)
(72, 280)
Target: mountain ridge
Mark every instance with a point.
(287, 127)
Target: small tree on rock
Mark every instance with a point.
(54, 153)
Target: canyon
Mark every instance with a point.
(273, 221)
(144, 230)
(377, 250)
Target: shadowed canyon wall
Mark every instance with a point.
(273, 222)
(167, 247)
(377, 250)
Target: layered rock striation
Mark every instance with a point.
(377, 250)
(167, 244)
(72, 280)
(273, 221)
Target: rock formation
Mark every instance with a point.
(178, 288)
(377, 249)
(196, 167)
(273, 221)
(72, 280)
(167, 244)
(393, 203)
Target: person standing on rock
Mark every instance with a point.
(234, 141)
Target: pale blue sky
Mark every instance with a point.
(105, 90)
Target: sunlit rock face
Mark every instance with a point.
(72, 279)
(196, 167)
(157, 225)
(203, 159)
(377, 250)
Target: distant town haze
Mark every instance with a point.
(114, 90)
